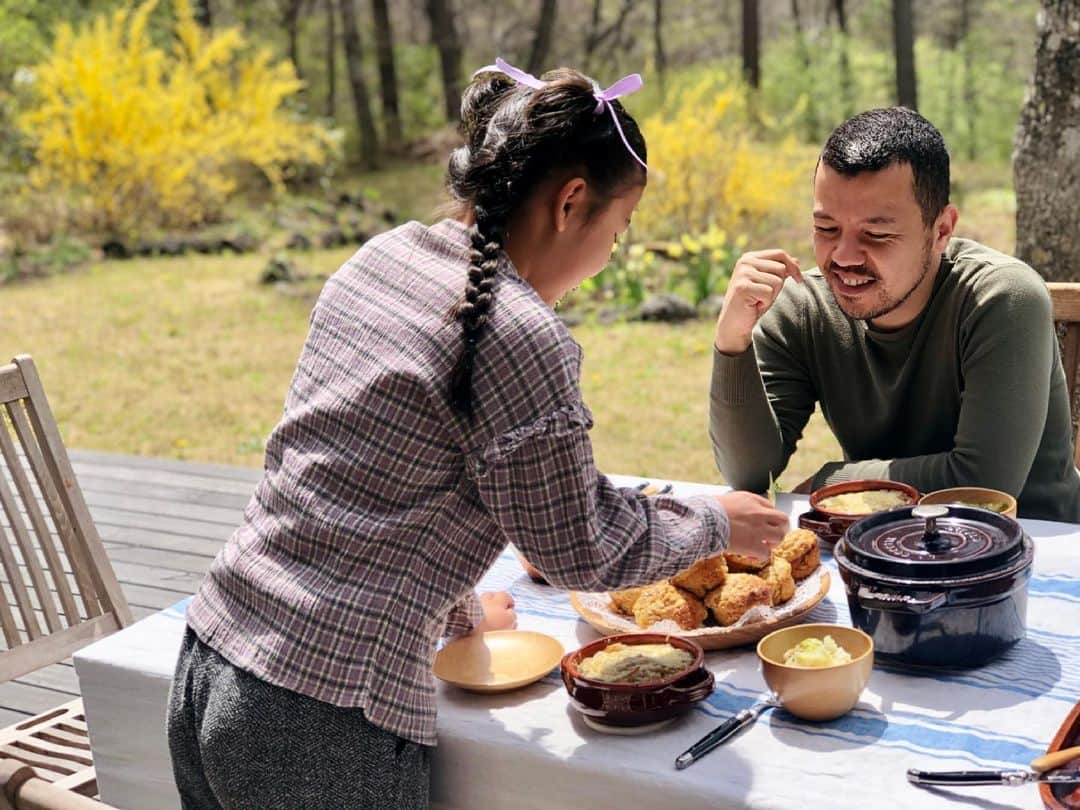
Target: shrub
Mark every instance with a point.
(136, 135)
(718, 166)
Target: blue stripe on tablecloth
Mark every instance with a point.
(982, 748)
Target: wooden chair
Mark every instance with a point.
(57, 596)
(1066, 300)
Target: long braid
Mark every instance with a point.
(487, 242)
(514, 137)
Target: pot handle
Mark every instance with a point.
(816, 526)
(691, 688)
(910, 602)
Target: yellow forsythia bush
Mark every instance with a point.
(135, 135)
(714, 169)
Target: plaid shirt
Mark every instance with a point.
(380, 508)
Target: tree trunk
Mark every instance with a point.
(444, 35)
(659, 56)
(1046, 161)
(971, 105)
(847, 81)
(202, 13)
(369, 141)
(541, 45)
(751, 43)
(904, 43)
(597, 35)
(388, 84)
(290, 14)
(804, 57)
(331, 60)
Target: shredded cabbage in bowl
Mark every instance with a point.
(817, 652)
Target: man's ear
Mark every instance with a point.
(944, 227)
(569, 201)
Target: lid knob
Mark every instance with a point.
(930, 513)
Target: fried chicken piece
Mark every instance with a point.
(742, 564)
(800, 548)
(738, 594)
(662, 600)
(703, 576)
(623, 601)
(778, 574)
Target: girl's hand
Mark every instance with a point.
(756, 525)
(498, 612)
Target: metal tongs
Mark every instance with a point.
(1042, 769)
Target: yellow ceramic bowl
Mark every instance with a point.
(973, 496)
(817, 693)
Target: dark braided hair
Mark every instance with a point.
(516, 137)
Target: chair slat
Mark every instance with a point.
(37, 405)
(12, 386)
(54, 647)
(1065, 299)
(7, 622)
(56, 508)
(33, 569)
(41, 529)
(18, 587)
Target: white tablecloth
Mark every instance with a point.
(529, 749)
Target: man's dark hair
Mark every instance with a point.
(876, 139)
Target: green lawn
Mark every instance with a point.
(190, 358)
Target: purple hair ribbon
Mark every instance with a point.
(623, 87)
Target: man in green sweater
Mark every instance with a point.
(933, 358)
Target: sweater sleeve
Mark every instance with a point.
(759, 404)
(541, 487)
(1007, 353)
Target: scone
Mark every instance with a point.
(662, 600)
(742, 564)
(703, 576)
(800, 548)
(778, 574)
(623, 601)
(738, 594)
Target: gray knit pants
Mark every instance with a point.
(238, 742)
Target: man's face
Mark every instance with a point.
(872, 246)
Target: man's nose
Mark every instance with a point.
(848, 253)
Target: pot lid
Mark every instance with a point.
(933, 542)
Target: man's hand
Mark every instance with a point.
(755, 283)
(756, 525)
(498, 612)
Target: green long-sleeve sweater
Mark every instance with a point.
(970, 393)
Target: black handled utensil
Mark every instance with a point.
(1019, 777)
(722, 733)
(1046, 768)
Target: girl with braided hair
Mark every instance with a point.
(434, 417)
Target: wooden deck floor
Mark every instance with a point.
(162, 522)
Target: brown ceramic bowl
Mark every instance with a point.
(817, 693)
(636, 704)
(830, 524)
(1056, 796)
(973, 496)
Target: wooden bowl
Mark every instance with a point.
(497, 661)
(817, 693)
(973, 496)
